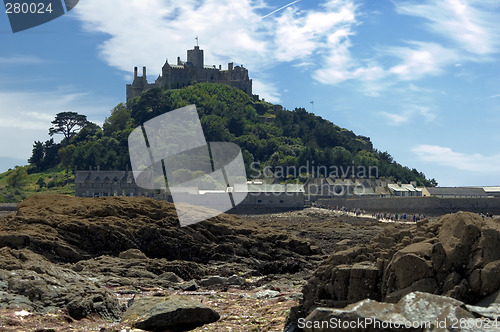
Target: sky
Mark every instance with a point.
(420, 78)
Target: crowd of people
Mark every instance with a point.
(382, 216)
(399, 217)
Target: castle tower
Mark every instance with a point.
(185, 73)
(195, 56)
(139, 84)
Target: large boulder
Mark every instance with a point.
(416, 311)
(456, 255)
(173, 313)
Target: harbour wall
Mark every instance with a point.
(417, 205)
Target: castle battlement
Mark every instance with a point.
(185, 73)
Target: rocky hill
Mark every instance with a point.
(268, 135)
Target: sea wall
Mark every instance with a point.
(8, 206)
(425, 205)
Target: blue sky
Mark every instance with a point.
(420, 78)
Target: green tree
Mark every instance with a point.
(66, 155)
(51, 157)
(44, 156)
(67, 123)
(341, 156)
(120, 119)
(40, 182)
(215, 129)
(18, 178)
(37, 155)
(89, 132)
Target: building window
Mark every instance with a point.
(282, 201)
(259, 201)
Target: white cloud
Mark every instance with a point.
(445, 156)
(145, 32)
(271, 94)
(396, 118)
(470, 25)
(261, 36)
(20, 60)
(464, 31)
(421, 59)
(409, 113)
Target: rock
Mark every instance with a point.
(456, 255)
(72, 229)
(419, 306)
(190, 286)
(458, 234)
(407, 268)
(170, 276)
(344, 242)
(490, 281)
(212, 281)
(415, 312)
(493, 299)
(173, 313)
(138, 272)
(132, 254)
(363, 281)
(15, 301)
(35, 283)
(235, 280)
(492, 313)
(263, 294)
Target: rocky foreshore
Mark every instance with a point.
(113, 264)
(456, 257)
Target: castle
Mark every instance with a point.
(188, 72)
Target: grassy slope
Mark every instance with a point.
(55, 178)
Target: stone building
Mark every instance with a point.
(97, 183)
(455, 192)
(184, 73)
(282, 196)
(108, 183)
(359, 188)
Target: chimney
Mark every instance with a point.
(135, 72)
(144, 72)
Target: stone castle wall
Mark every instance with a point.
(193, 70)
